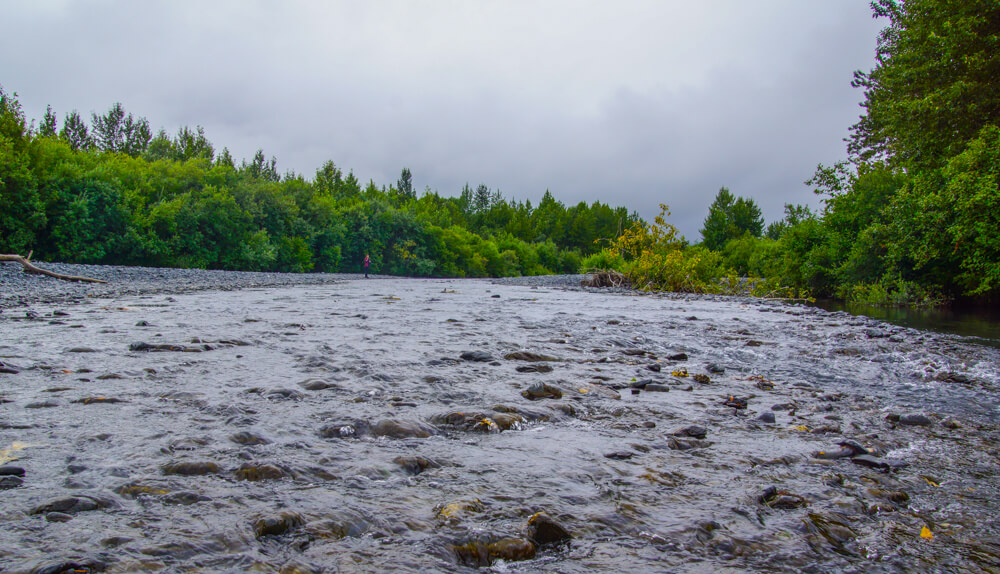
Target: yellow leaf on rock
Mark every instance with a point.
(926, 533)
(801, 428)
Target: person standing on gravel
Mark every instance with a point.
(366, 263)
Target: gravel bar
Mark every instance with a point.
(20, 289)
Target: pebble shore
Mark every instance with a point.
(20, 289)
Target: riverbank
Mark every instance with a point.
(420, 425)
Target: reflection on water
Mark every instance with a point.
(979, 322)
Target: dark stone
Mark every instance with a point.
(192, 468)
(714, 369)
(69, 505)
(700, 378)
(98, 400)
(767, 417)
(184, 498)
(774, 498)
(414, 465)
(403, 429)
(58, 517)
(277, 525)
(882, 464)
(739, 403)
(541, 391)
(655, 367)
(166, 347)
(528, 356)
(42, 405)
(248, 438)
(82, 350)
(477, 356)
(534, 369)
(284, 394)
(678, 357)
(674, 443)
(258, 472)
(640, 384)
(543, 530)
(68, 567)
(783, 407)
(693, 431)
(10, 482)
(316, 385)
(915, 419)
(656, 388)
(142, 324)
(11, 470)
(619, 455)
(855, 447)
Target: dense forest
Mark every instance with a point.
(913, 216)
(112, 192)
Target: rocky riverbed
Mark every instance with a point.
(206, 421)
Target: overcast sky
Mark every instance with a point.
(631, 103)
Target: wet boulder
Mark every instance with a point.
(693, 431)
(477, 356)
(71, 505)
(248, 438)
(781, 499)
(393, 428)
(341, 524)
(677, 443)
(541, 391)
(881, 464)
(915, 419)
(528, 356)
(544, 530)
(258, 472)
(481, 553)
(414, 465)
(277, 524)
(191, 468)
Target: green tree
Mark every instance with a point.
(48, 126)
(729, 218)
(76, 132)
(936, 83)
(405, 184)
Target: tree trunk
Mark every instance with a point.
(29, 268)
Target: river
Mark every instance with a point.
(465, 425)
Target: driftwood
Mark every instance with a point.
(604, 278)
(29, 268)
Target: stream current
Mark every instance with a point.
(460, 425)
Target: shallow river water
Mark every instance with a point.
(460, 425)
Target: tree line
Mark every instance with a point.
(109, 191)
(913, 216)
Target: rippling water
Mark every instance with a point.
(338, 429)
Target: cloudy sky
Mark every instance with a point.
(629, 102)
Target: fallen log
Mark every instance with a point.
(30, 268)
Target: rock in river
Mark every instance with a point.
(403, 429)
(191, 468)
(542, 530)
(541, 391)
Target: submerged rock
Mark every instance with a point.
(781, 499)
(192, 468)
(541, 391)
(70, 505)
(543, 530)
(477, 356)
(528, 356)
(277, 525)
(403, 429)
(258, 472)
(414, 465)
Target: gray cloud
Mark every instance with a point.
(631, 103)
